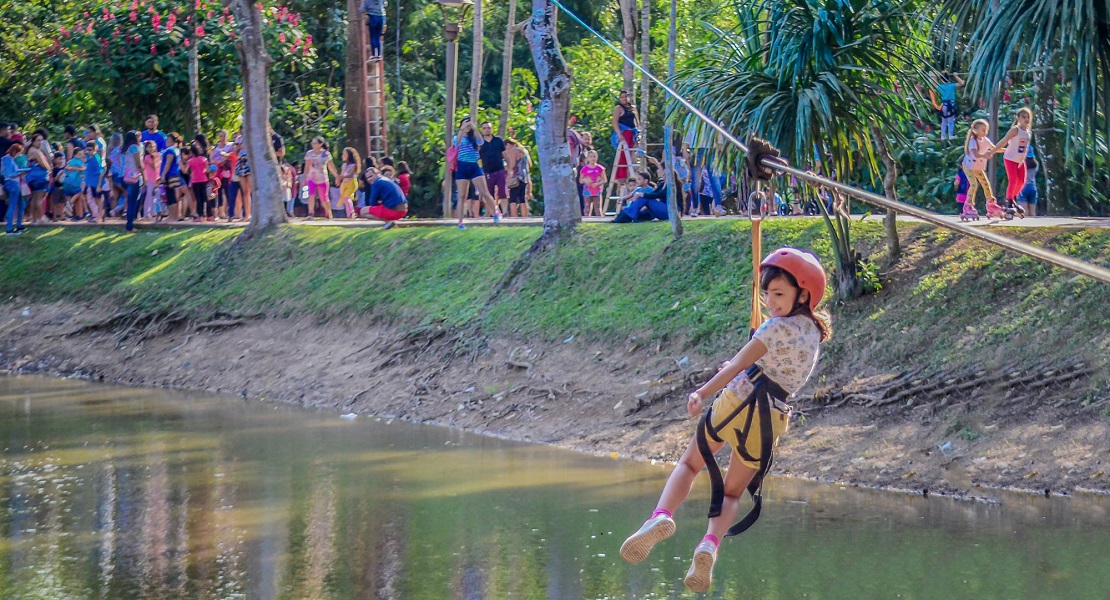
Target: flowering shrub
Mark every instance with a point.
(129, 56)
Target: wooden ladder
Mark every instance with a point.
(622, 148)
(377, 145)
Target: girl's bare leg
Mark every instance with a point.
(736, 481)
(682, 477)
(483, 193)
(463, 186)
(245, 194)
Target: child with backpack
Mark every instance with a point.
(754, 387)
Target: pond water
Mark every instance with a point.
(115, 492)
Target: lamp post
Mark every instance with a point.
(453, 11)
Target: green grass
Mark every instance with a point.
(952, 299)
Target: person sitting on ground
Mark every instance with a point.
(384, 199)
(645, 204)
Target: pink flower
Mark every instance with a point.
(222, 20)
(64, 31)
(208, 15)
(171, 21)
(153, 49)
(172, 52)
(86, 13)
(306, 49)
(135, 5)
(88, 28)
(281, 37)
(200, 31)
(308, 39)
(186, 42)
(196, 5)
(134, 16)
(105, 14)
(115, 33)
(135, 39)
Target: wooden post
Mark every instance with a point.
(673, 212)
(476, 65)
(507, 70)
(645, 59)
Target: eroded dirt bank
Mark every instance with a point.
(619, 397)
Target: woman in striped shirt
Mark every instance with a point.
(469, 172)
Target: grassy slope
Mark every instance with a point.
(950, 300)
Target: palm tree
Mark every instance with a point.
(1069, 37)
(818, 79)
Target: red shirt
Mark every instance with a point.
(198, 170)
(404, 182)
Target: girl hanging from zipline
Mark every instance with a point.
(749, 414)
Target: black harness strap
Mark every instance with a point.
(764, 389)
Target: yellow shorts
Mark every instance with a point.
(348, 189)
(727, 402)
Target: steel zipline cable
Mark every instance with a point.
(778, 164)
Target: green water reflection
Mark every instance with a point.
(120, 493)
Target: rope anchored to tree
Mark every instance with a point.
(774, 163)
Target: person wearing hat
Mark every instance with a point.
(750, 412)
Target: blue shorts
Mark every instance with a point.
(37, 185)
(468, 171)
(1028, 194)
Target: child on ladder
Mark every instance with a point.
(375, 24)
(750, 414)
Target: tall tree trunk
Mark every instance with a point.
(890, 188)
(507, 69)
(668, 134)
(254, 66)
(560, 200)
(628, 42)
(355, 92)
(476, 67)
(194, 84)
(1046, 139)
(992, 121)
(645, 59)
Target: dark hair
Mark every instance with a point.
(945, 76)
(60, 155)
(175, 137)
(645, 175)
(203, 141)
(820, 318)
(43, 132)
(1031, 163)
(94, 129)
(484, 123)
(70, 130)
(386, 160)
(469, 136)
(130, 139)
(403, 168)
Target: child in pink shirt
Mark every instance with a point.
(198, 181)
(592, 177)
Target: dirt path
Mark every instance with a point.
(620, 398)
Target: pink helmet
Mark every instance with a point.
(804, 267)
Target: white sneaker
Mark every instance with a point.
(700, 575)
(638, 545)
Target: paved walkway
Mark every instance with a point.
(1077, 222)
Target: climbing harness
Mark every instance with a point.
(765, 394)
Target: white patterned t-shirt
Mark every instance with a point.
(793, 346)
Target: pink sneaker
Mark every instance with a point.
(638, 545)
(700, 575)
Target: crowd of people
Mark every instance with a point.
(152, 176)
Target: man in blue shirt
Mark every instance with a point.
(384, 199)
(152, 134)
